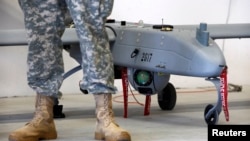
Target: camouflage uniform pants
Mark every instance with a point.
(44, 23)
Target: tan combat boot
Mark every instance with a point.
(106, 128)
(42, 125)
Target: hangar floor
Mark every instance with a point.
(185, 122)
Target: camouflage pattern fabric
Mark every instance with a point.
(44, 23)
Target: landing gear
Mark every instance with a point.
(212, 112)
(57, 109)
(211, 115)
(167, 97)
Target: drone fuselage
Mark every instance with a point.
(174, 52)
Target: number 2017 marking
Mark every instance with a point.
(146, 57)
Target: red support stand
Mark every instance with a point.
(147, 105)
(224, 92)
(125, 91)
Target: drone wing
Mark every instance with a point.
(16, 37)
(222, 31)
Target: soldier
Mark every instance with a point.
(44, 23)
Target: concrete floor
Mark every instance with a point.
(184, 123)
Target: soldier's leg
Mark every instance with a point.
(44, 23)
(89, 17)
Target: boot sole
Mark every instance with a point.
(48, 137)
(100, 136)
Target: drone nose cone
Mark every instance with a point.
(208, 62)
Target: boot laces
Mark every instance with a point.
(36, 120)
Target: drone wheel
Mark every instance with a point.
(213, 118)
(168, 97)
